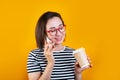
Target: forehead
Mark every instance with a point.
(53, 22)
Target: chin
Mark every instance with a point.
(60, 42)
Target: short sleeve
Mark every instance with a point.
(32, 63)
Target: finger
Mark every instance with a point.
(47, 44)
(77, 65)
(88, 58)
(46, 48)
(90, 62)
(50, 47)
(50, 43)
(53, 44)
(82, 69)
(54, 40)
(90, 65)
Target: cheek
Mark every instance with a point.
(64, 35)
(52, 38)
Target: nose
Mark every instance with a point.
(58, 32)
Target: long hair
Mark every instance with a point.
(40, 31)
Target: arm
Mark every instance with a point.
(78, 76)
(33, 67)
(38, 76)
(34, 75)
(47, 73)
(78, 70)
(50, 59)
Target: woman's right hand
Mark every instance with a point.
(48, 52)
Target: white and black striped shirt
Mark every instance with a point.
(64, 63)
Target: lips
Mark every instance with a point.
(58, 39)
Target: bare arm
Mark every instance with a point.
(78, 76)
(34, 75)
(47, 73)
(50, 59)
(38, 76)
(78, 70)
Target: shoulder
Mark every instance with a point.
(67, 48)
(35, 52)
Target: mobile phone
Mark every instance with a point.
(48, 40)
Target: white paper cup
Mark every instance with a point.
(81, 57)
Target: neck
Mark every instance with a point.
(58, 47)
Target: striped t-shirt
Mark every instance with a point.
(64, 63)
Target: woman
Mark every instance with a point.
(52, 60)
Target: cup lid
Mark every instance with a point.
(78, 50)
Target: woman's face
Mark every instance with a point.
(55, 30)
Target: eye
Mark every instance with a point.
(61, 28)
(53, 30)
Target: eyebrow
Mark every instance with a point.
(54, 27)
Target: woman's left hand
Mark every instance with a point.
(78, 69)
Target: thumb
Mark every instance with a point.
(77, 64)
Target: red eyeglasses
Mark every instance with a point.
(61, 29)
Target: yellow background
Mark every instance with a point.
(93, 24)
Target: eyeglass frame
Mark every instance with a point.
(56, 29)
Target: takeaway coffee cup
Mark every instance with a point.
(81, 57)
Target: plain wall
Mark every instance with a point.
(93, 24)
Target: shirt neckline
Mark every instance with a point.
(61, 50)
